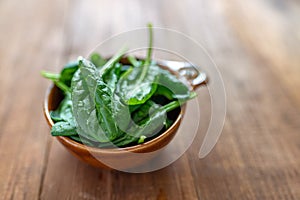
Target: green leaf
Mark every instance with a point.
(84, 85)
(68, 72)
(64, 110)
(63, 129)
(133, 108)
(82, 140)
(112, 76)
(171, 87)
(113, 104)
(97, 60)
(164, 91)
(149, 127)
(55, 115)
(137, 86)
(144, 111)
(103, 100)
(121, 112)
(168, 123)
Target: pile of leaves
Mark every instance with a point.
(109, 103)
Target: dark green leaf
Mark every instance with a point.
(63, 129)
(164, 91)
(103, 100)
(82, 140)
(171, 85)
(168, 123)
(144, 111)
(112, 76)
(120, 112)
(84, 85)
(64, 110)
(138, 85)
(67, 72)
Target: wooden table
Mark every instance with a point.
(256, 47)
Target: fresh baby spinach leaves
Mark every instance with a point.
(109, 103)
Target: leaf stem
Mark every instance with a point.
(62, 86)
(111, 61)
(171, 106)
(149, 53)
(133, 61)
(50, 75)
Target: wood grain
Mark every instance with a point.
(255, 44)
(23, 144)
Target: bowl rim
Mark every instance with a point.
(136, 148)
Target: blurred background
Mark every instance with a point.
(255, 45)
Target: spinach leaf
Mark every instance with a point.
(168, 123)
(164, 91)
(97, 60)
(55, 115)
(139, 84)
(84, 85)
(63, 117)
(64, 110)
(133, 108)
(148, 127)
(67, 73)
(112, 76)
(155, 122)
(82, 140)
(63, 128)
(121, 113)
(171, 87)
(143, 112)
(107, 103)
(103, 101)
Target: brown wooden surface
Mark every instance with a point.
(254, 43)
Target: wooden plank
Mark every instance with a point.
(76, 180)
(271, 32)
(256, 157)
(23, 49)
(253, 43)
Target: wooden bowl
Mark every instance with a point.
(120, 158)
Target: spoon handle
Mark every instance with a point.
(188, 70)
